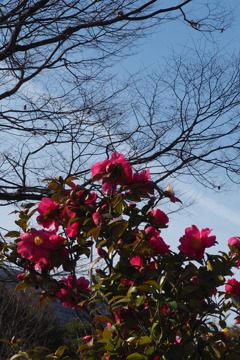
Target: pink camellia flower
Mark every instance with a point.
(178, 340)
(212, 292)
(126, 315)
(237, 319)
(108, 166)
(137, 262)
(21, 276)
(48, 213)
(115, 171)
(100, 168)
(232, 286)
(152, 265)
(82, 196)
(194, 242)
(72, 230)
(160, 247)
(143, 177)
(126, 281)
(89, 198)
(98, 219)
(160, 218)
(72, 292)
(37, 246)
(109, 187)
(234, 241)
(164, 310)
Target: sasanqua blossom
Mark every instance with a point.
(72, 291)
(194, 242)
(115, 171)
(232, 286)
(234, 241)
(160, 247)
(47, 209)
(37, 246)
(160, 219)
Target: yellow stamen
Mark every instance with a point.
(37, 240)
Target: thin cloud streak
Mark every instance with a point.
(215, 207)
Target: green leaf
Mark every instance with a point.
(140, 300)
(5, 341)
(54, 185)
(107, 335)
(22, 286)
(188, 290)
(217, 352)
(13, 234)
(28, 205)
(136, 356)
(154, 331)
(20, 354)
(115, 298)
(22, 223)
(150, 350)
(144, 340)
(97, 177)
(82, 348)
(223, 324)
(69, 180)
(109, 346)
(153, 283)
(132, 289)
(94, 233)
(124, 301)
(103, 318)
(117, 228)
(60, 350)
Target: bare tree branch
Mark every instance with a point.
(61, 108)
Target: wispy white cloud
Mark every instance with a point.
(215, 208)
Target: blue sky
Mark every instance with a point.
(219, 210)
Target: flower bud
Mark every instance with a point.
(89, 243)
(101, 252)
(87, 338)
(98, 219)
(20, 276)
(195, 280)
(132, 205)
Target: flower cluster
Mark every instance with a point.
(71, 294)
(143, 287)
(118, 171)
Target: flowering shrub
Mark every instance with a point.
(146, 301)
